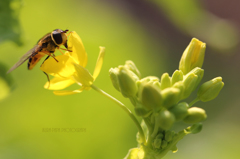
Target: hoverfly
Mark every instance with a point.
(45, 46)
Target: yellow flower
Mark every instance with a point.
(70, 68)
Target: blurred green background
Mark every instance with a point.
(153, 34)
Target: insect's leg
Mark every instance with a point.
(45, 60)
(66, 49)
(53, 56)
(47, 78)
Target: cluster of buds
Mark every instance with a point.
(159, 101)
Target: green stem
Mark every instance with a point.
(140, 130)
(193, 102)
(150, 130)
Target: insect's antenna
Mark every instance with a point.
(47, 78)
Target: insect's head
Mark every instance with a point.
(59, 36)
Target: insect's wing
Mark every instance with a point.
(24, 58)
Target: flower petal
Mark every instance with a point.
(66, 92)
(58, 83)
(99, 62)
(62, 68)
(78, 52)
(82, 76)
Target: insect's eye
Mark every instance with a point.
(57, 37)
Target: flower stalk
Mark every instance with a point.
(121, 105)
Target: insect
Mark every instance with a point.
(45, 46)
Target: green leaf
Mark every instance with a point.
(6, 82)
(9, 24)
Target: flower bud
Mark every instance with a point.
(199, 72)
(149, 79)
(141, 111)
(195, 115)
(193, 56)
(127, 82)
(157, 143)
(195, 128)
(150, 96)
(210, 90)
(189, 83)
(157, 84)
(180, 111)
(165, 81)
(159, 136)
(169, 135)
(132, 67)
(177, 76)
(170, 96)
(174, 149)
(164, 144)
(165, 119)
(179, 85)
(113, 72)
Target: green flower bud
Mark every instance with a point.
(189, 83)
(159, 136)
(157, 143)
(157, 84)
(180, 111)
(150, 96)
(179, 85)
(164, 144)
(170, 96)
(149, 79)
(177, 76)
(195, 115)
(193, 56)
(174, 149)
(113, 72)
(165, 81)
(195, 128)
(169, 135)
(127, 82)
(131, 66)
(165, 119)
(199, 72)
(210, 90)
(141, 111)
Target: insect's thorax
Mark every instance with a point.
(47, 45)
